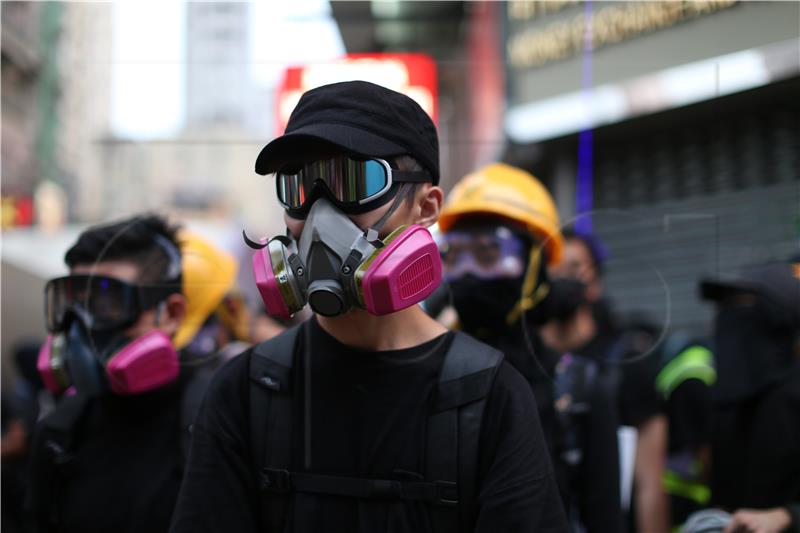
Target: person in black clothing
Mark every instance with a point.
(499, 231)
(627, 351)
(684, 382)
(755, 457)
(331, 425)
(110, 456)
(20, 408)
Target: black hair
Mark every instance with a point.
(141, 240)
(590, 243)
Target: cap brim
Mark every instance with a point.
(717, 290)
(292, 147)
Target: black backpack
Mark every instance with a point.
(53, 460)
(453, 429)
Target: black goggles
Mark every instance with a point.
(102, 303)
(350, 183)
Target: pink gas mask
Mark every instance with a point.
(70, 359)
(335, 266)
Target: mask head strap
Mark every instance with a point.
(372, 233)
(174, 270)
(160, 308)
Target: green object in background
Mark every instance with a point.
(48, 93)
(691, 490)
(695, 362)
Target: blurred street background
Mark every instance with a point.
(670, 129)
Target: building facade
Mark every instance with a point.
(670, 129)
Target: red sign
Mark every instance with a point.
(17, 211)
(410, 74)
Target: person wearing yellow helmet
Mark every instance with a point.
(506, 261)
(208, 274)
(217, 321)
(500, 233)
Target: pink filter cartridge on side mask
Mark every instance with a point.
(405, 272)
(147, 363)
(268, 285)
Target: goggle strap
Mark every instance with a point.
(411, 176)
(151, 296)
(160, 307)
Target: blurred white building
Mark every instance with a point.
(84, 103)
(206, 169)
(56, 91)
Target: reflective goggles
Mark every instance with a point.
(350, 183)
(101, 302)
(486, 253)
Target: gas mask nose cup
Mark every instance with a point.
(85, 367)
(326, 297)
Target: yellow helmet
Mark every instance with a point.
(209, 273)
(511, 193)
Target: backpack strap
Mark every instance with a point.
(53, 460)
(574, 384)
(467, 376)
(270, 374)
(453, 431)
(432, 492)
(194, 390)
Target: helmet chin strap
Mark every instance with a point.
(533, 292)
(373, 232)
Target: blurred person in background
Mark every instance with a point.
(500, 231)
(585, 258)
(20, 410)
(684, 382)
(370, 416)
(586, 327)
(110, 456)
(263, 327)
(217, 324)
(755, 444)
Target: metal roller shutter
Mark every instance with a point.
(680, 205)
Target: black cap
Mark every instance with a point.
(778, 282)
(362, 118)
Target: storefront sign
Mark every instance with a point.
(536, 46)
(410, 74)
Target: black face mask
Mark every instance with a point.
(563, 299)
(751, 351)
(483, 305)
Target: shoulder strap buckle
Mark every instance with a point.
(446, 493)
(276, 480)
